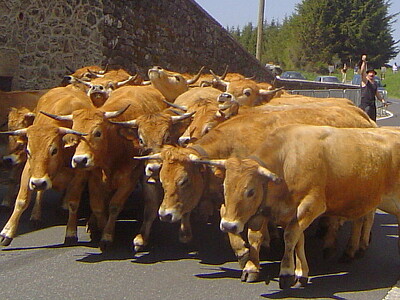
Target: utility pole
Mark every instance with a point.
(260, 27)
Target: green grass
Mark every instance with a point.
(392, 81)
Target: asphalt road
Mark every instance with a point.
(37, 265)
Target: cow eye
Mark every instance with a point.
(97, 133)
(250, 193)
(54, 151)
(183, 181)
(167, 138)
(177, 78)
(247, 93)
(141, 141)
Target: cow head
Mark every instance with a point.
(244, 190)
(44, 152)
(247, 92)
(18, 118)
(92, 149)
(167, 133)
(182, 180)
(170, 84)
(86, 74)
(207, 116)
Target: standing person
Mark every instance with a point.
(344, 73)
(369, 89)
(394, 68)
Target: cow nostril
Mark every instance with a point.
(81, 161)
(166, 218)
(39, 185)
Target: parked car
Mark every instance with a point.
(292, 75)
(329, 79)
(381, 87)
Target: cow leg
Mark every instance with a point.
(153, 197)
(256, 233)
(331, 228)
(240, 248)
(72, 198)
(392, 206)
(302, 269)
(23, 199)
(12, 187)
(185, 230)
(309, 209)
(366, 233)
(360, 235)
(97, 201)
(36, 215)
(126, 186)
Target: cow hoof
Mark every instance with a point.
(249, 276)
(5, 241)
(302, 281)
(95, 236)
(286, 281)
(70, 240)
(105, 246)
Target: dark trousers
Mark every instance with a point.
(370, 109)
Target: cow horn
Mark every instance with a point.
(147, 82)
(267, 92)
(130, 79)
(97, 75)
(218, 79)
(131, 123)
(70, 69)
(212, 162)
(114, 114)
(195, 78)
(105, 70)
(176, 119)
(15, 132)
(156, 156)
(75, 79)
(64, 130)
(267, 173)
(184, 108)
(225, 73)
(57, 117)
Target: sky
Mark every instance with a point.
(239, 12)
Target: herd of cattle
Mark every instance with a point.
(202, 144)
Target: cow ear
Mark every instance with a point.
(70, 140)
(218, 172)
(29, 118)
(128, 133)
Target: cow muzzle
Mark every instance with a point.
(169, 215)
(231, 227)
(40, 184)
(11, 160)
(81, 161)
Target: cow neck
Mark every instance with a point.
(200, 150)
(262, 209)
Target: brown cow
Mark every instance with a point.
(108, 155)
(48, 164)
(170, 84)
(237, 136)
(18, 118)
(315, 182)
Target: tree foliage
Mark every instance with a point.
(323, 32)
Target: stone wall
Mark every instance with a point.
(136, 35)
